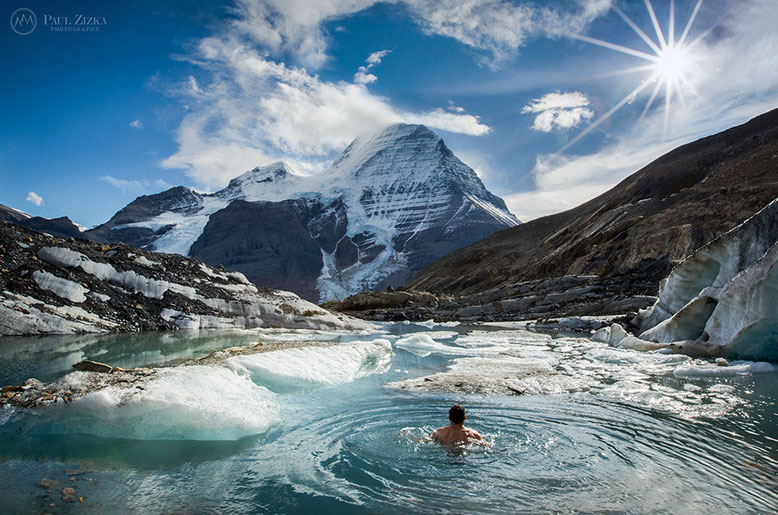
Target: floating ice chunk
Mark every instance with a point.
(611, 335)
(428, 323)
(602, 335)
(309, 367)
(192, 403)
(496, 375)
(60, 287)
(635, 343)
(735, 368)
(504, 339)
(423, 345)
(617, 334)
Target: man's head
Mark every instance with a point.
(456, 414)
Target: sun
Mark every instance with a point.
(670, 64)
(673, 64)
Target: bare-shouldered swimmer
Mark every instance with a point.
(456, 432)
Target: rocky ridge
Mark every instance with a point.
(62, 286)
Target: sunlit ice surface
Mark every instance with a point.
(671, 63)
(597, 429)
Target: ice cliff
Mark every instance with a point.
(723, 299)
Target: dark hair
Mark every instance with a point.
(456, 414)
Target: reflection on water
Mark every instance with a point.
(627, 434)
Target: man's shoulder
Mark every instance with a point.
(472, 433)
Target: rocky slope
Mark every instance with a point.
(388, 205)
(60, 286)
(629, 238)
(9, 214)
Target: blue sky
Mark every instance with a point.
(194, 93)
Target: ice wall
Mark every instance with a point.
(722, 298)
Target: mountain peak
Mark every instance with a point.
(400, 149)
(267, 173)
(258, 182)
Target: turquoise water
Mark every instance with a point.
(609, 431)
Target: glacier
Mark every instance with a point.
(722, 299)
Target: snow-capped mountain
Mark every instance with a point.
(388, 205)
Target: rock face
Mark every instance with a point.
(61, 227)
(387, 206)
(725, 295)
(57, 286)
(632, 235)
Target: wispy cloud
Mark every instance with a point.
(135, 186)
(136, 124)
(499, 28)
(559, 111)
(363, 75)
(496, 28)
(34, 198)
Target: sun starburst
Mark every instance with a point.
(671, 62)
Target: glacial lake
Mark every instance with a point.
(320, 430)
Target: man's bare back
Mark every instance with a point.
(456, 432)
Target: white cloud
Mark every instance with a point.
(559, 110)
(257, 110)
(495, 27)
(292, 26)
(135, 186)
(375, 57)
(34, 198)
(455, 108)
(136, 124)
(737, 80)
(451, 122)
(363, 76)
